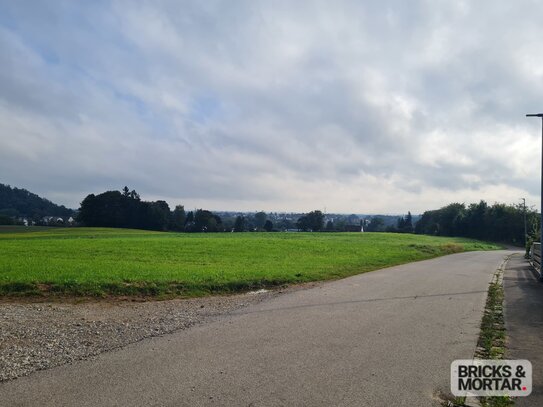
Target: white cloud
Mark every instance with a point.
(356, 107)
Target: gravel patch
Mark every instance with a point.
(36, 336)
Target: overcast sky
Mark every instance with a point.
(353, 106)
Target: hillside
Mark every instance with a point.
(16, 202)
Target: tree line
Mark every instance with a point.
(404, 224)
(125, 209)
(498, 222)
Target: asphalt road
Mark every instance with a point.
(384, 338)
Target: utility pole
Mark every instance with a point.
(525, 230)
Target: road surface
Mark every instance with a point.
(384, 338)
(524, 323)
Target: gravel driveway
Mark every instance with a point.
(35, 336)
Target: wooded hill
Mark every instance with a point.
(20, 203)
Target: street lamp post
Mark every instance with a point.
(540, 115)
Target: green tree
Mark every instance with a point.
(400, 224)
(157, 215)
(119, 210)
(6, 220)
(268, 225)
(405, 224)
(206, 221)
(284, 224)
(239, 224)
(476, 220)
(303, 223)
(377, 224)
(499, 222)
(313, 221)
(212, 225)
(260, 219)
(178, 218)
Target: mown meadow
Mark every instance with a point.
(110, 262)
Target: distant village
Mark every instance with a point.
(21, 207)
(282, 221)
(48, 221)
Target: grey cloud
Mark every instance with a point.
(272, 104)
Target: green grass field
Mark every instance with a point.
(99, 261)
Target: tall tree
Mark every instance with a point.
(313, 221)
(178, 218)
(260, 219)
(408, 223)
(400, 224)
(239, 224)
(377, 224)
(268, 225)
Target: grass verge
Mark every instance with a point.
(491, 344)
(492, 337)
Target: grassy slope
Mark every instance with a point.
(96, 261)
